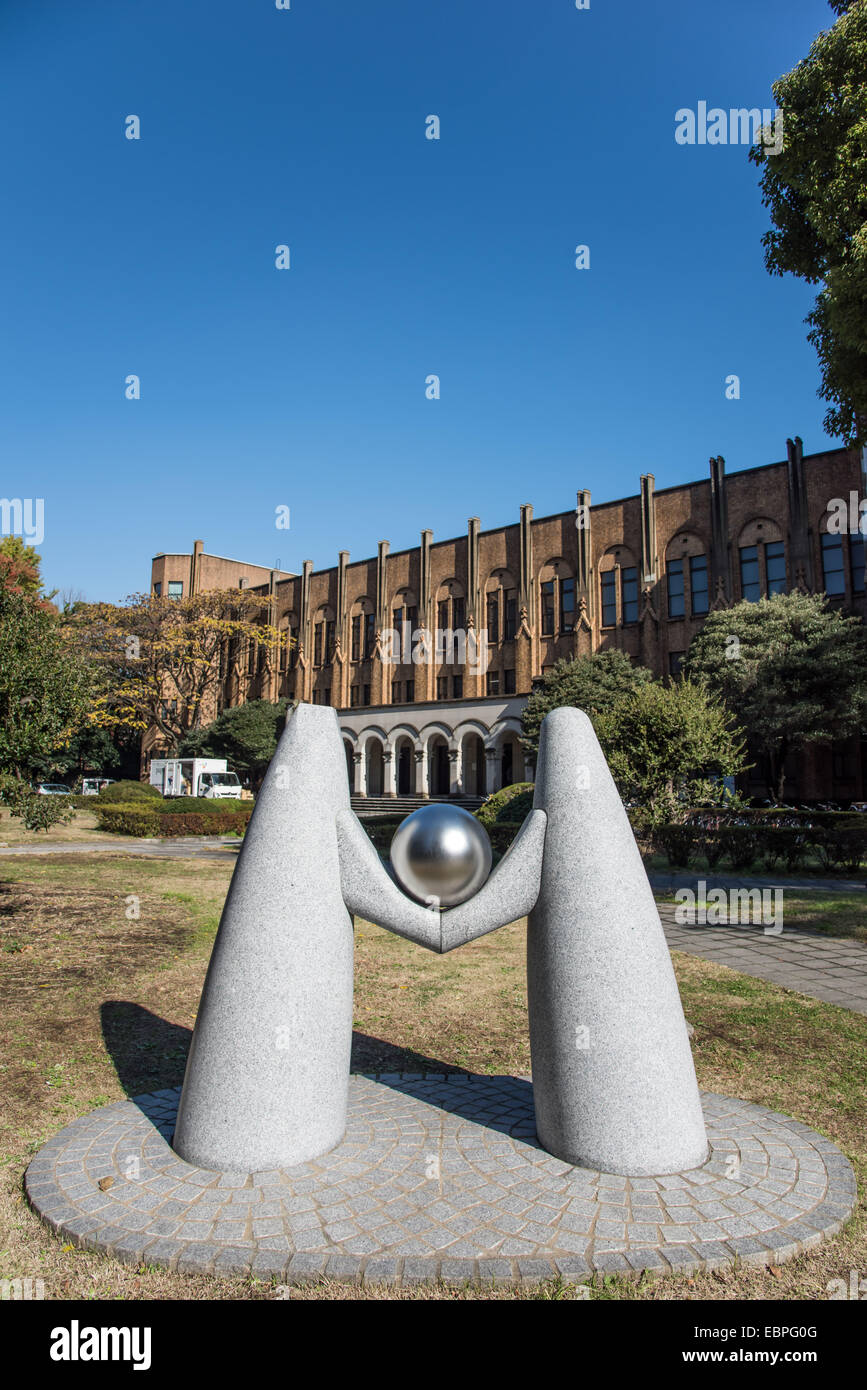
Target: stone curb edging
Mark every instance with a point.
(504, 1211)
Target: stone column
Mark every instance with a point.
(456, 773)
(493, 770)
(421, 772)
(359, 784)
(388, 771)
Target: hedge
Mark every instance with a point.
(837, 847)
(143, 821)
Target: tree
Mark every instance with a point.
(162, 661)
(246, 735)
(592, 683)
(19, 567)
(669, 747)
(816, 190)
(45, 685)
(792, 667)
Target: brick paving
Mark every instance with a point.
(439, 1177)
(833, 969)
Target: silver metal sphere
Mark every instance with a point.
(441, 854)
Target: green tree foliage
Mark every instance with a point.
(816, 190)
(592, 683)
(246, 735)
(45, 686)
(792, 667)
(668, 747)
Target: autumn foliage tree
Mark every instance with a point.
(162, 660)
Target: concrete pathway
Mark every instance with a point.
(833, 969)
(181, 847)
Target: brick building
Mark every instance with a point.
(639, 574)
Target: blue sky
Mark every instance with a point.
(305, 387)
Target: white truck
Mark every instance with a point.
(208, 777)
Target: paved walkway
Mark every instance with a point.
(181, 847)
(833, 969)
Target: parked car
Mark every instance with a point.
(52, 789)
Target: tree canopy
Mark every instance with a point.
(246, 735)
(162, 660)
(669, 747)
(592, 683)
(792, 667)
(816, 191)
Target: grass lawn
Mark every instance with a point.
(96, 1004)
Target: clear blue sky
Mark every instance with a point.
(306, 387)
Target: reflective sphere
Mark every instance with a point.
(441, 854)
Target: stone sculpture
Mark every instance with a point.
(268, 1073)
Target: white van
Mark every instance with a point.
(208, 777)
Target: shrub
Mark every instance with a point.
(128, 820)
(126, 791)
(511, 804)
(679, 844)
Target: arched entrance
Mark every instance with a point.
(438, 766)
(473, 763)
(405, 768)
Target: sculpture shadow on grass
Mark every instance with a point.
(150, 1054)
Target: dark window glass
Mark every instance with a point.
(459, 613)
(457, 687)
(353, 695)
(750, 586)
(856, 559)
(330, 628)
(443, 614)
(410, 692)
(567, 605)
(509, 682)
(317, 644)
(369, 635)
(832, 564)
(442, 687)
(326, 695)
(493, 684)
(548, 608)
(609, 599)
(158, 588)
(675, 663)
(412, 619)
(395, 692)
(355, 652)
(493, 618)
(251, 658)
(629, 592)
(510, 622)
(674, 574)
(365, 695)
(775, 567)
(698, 584)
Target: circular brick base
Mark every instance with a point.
(439, 1177)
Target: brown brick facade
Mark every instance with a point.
(637, 574)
